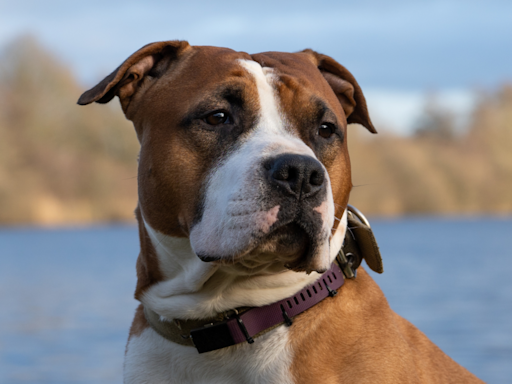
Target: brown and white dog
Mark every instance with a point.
(243, 169)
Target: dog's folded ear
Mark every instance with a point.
(127, 78)
(346, 88)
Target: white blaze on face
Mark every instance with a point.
(233, 217)
(270, 117)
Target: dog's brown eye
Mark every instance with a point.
(217, 118)
(326, 130)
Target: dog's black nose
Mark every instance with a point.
(300, 176)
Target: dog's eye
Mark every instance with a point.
(326, 130)
(217, 118)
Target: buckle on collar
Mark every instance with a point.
(346, 262)
(211, 337)
(357, 213)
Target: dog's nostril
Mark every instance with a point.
(287, 173)
(317, 178)
(282, 173)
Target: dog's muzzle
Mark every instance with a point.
(277, 213)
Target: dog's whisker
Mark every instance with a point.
(365, 185)
(337, 218)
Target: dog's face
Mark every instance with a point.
(244, 154)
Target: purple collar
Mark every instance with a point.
(243, 327)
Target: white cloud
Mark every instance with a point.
(397, 111)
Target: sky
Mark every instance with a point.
(399, 51)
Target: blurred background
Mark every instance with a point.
(436, 181)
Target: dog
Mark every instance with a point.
(244, 273)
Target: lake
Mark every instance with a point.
(66, 295)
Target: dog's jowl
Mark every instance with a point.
(248, 268)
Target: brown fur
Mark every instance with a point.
(148, 271)
(356, 337)
(139, 323)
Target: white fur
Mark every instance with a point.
(338, 236)
(153, 359)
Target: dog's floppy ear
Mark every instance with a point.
(127, 78)
(346, 89)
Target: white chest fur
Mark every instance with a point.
(153, 359)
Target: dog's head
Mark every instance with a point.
(244, 154)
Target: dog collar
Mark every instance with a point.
(244, 324)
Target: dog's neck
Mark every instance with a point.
(193, 289)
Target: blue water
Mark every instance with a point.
(66, 295)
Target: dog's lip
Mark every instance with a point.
(208, 259)
(258, 240)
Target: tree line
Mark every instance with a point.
(62, 164)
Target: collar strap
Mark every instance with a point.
(244, 324)
(243, 327)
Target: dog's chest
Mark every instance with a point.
(152, 359)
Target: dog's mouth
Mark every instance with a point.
(289, 243)
(288, 247)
